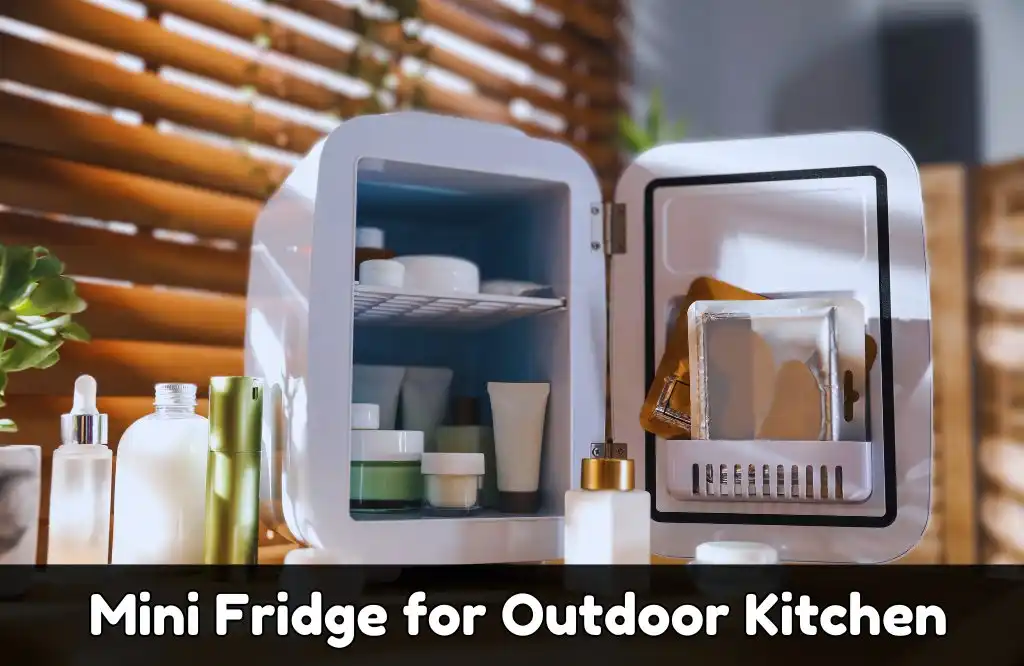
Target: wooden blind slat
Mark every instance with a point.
(597, 122)
(160, 47)
(238, 22)
(103, 141)
(34, 181)
(130, 367)
(37, 423)
(246, 25)
(445, 15)
(110, 85)
(581, 17)
(575, 48)
(601, 155)
(243, 24)
(161, 315)
(141, 259)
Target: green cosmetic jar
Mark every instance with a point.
(385, 473)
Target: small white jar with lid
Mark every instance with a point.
(733, 569)
(452, 481)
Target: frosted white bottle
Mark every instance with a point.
(160, 486)
(607, 521)
(79, 529)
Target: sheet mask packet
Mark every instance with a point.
(786, 369)
(666, 409)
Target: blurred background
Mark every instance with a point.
(138, 139)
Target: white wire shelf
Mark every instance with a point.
(387, 306)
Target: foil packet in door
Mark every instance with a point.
(666, 410)
(787, 369)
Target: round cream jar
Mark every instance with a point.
(452, 481)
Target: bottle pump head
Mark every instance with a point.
(84, 424)
(607, 468)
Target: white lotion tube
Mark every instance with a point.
(518, 411)
(378, 385)
(424, 401)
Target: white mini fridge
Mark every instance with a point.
(817, 215)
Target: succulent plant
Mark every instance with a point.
(655, 129)
(37, 302)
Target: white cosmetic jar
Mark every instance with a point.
(733, 569)
(365, 416)
(382, 273)
(452, 481)
(441, 275)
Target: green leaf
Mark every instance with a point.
(633, 135)
(3, 385)
(75, 331)
(52, 294)
(654, 116)
(49, 361)
(16, 264)
(44, 324)
(7, 425)
(27, 335)
(25, 356)
(46, 265)
(7, 316)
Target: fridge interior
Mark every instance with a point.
(512, 229)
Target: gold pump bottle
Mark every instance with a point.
(233, 470)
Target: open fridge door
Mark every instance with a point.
(835, 220)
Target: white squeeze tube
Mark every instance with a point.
(518, 411)
(80, 485)
(378, 385)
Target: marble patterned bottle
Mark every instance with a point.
(19, 503)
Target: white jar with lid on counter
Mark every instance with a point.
(452, 481)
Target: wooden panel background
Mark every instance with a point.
(950, 537)
(139, 138)
(999, 293)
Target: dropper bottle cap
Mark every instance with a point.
(84, 424)
(607, 468)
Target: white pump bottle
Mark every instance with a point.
(80, 484)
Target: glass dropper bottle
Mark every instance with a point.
(79, 529)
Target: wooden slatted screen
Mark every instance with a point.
(950, 537)
(139, 138)
(999, 294)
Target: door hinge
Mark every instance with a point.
(608, 228)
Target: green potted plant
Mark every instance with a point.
(37, 302)
(655, 130)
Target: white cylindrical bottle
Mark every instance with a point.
(79, 530)
(607, 521)
(160, 486)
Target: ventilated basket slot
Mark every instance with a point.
(741, 482)
(769, 471)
